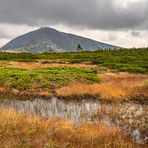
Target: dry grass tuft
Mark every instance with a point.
(120, 86)
(45, 92)
(20, 130)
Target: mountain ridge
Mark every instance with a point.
(47, 39)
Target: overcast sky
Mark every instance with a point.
(118, 22)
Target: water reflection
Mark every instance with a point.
(74, 110)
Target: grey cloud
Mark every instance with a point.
(135, 33)
(4, 35)
(95, 14)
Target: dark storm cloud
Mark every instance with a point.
(96, 14)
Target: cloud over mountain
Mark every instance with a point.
(119, 22)
(96, 14)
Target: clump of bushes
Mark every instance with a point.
(51, 77)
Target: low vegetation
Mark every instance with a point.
(51, 77)
(21, 57)
(20, 130)
(113, 87)
(81, 80)
(131, 60)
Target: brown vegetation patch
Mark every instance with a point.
(114, 86)
(28, 92)
(44, 64)
(20, 130)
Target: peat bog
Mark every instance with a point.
(95, 98)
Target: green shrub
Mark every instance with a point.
(44, 77)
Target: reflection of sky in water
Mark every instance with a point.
(75, 110)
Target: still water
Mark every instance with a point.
(74, 110)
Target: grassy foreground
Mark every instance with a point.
(20, 130)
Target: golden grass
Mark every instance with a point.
(2, 89)
(119, 86)
(20, 130)
(46, 92)
(3, 63)
(40, 64)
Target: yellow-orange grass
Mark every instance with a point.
(20, 130)
(113, 87)
(2, 89)
(30, 91)
(32, 65)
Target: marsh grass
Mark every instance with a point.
(4, 63)
(20, 130)
(130, 116)
(113, 87)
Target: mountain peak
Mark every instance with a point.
(46, 29)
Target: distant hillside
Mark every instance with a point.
(50, 40)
